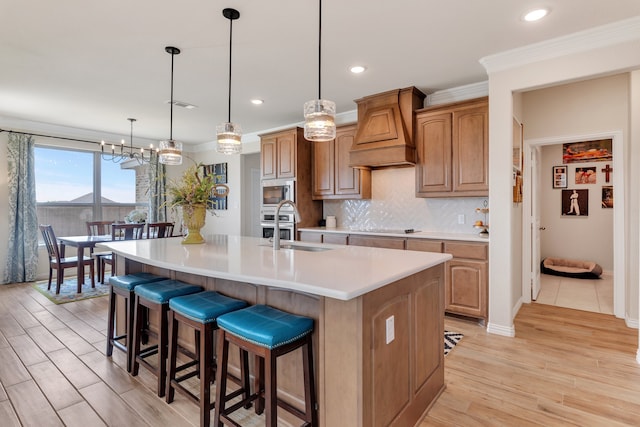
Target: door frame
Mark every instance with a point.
(619, 247)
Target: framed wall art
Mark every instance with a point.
(588, 151)
(575, 202)
(607, 197)
(585, 175)
(559, 177)
(219, 172)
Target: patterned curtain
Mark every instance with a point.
(157, 197)
(22, 257)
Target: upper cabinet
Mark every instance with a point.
(452, 145)
(278, 153)
(332, 177)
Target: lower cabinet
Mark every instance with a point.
(466, 275)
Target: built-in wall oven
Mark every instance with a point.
(273, 192)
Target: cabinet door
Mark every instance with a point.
(347, 179)
(470, 150)
(466, 287)
(286, 165)
(268, 156)
(323, 175)
(424, 245)
(310, 236)
(337, 239)
(433, 145)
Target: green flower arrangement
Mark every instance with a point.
(194, 188)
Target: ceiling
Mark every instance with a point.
(91, 65)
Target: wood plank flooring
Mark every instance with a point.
(564, 367)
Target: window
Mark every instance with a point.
(74, 186)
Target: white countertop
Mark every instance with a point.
(436, 235)
(344, 272)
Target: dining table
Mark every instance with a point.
(81, 242)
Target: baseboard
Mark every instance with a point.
(505, 331)
(632, 323)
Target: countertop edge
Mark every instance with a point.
(436, 235)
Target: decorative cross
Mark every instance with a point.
(607, 170)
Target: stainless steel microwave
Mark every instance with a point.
(276, 190)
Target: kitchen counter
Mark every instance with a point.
(436, 235)
(353, 270)
(378, 316)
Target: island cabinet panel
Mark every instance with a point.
(395, 397)
(376, 241)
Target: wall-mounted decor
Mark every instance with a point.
(586, 175)
(607, 197)
(607, 170)
(219, 172)
(575, 202)
(559, 177)
(517, 144)
(588, 151)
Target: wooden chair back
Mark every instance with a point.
(99, 228)
(127, 231)
(158, 230)
(51, 243)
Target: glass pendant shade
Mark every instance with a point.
(319, 120)
(170, 152)
(229, 138)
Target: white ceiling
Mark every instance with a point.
(92, 64)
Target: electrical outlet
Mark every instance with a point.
(461, 219)
(391, 333)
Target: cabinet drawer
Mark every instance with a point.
(467, 250)
(336, 239)
(424, 245)
(310, 236)
(376, 242)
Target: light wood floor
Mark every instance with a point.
(565, 367)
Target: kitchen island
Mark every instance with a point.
(379, 316)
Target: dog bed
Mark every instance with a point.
(571, 268)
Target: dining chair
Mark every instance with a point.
(99, 228)
(133, 231)
(56, 262)
(158, 230)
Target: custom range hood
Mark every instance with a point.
(384, 136)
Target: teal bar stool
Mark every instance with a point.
(155, 298)
(200, 311)
(123, 286)
(268, 333)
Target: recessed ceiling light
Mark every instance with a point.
(535, 15)
(257, 101)
(357, 69)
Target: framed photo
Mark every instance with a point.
(575, 202)
(588, 151)
(517, 145)
(585, 175)
(607, 197)
(559, 177)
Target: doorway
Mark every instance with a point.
(531, 216)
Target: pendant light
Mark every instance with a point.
(170, 151)
(319, 114)
(229, 134)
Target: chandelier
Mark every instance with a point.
(124, 153)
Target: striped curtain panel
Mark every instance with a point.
(22, 256)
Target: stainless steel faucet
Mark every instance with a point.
(276, 228)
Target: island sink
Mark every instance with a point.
(299, 247)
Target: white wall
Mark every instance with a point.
(588, 238)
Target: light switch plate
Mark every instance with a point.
(391, 334)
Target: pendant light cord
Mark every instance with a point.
(319, 48)
(230, 44)
(171, 116)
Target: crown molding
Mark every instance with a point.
(460, 93)
(582, 41)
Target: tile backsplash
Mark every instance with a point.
(393, 205)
